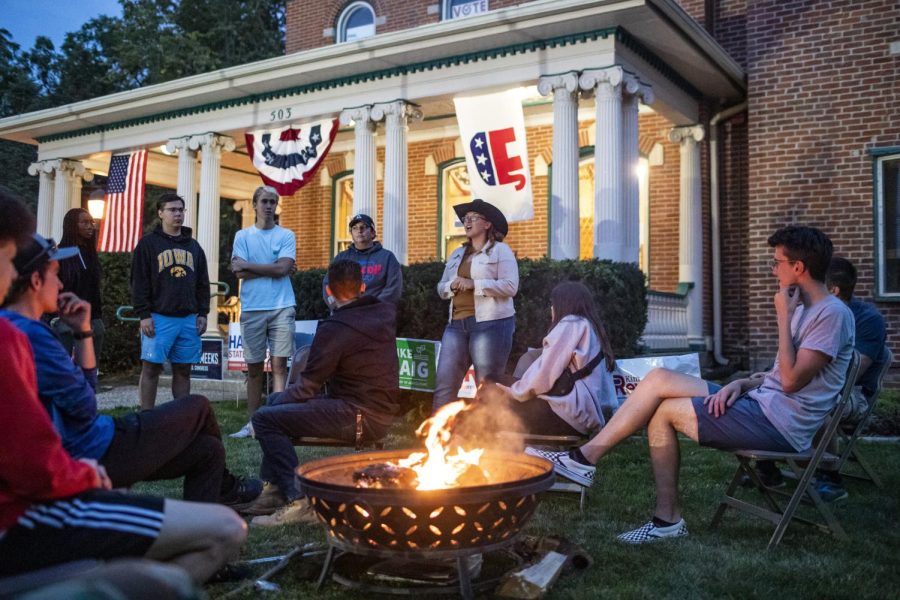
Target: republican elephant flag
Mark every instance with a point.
(492, 127)
(288, 157)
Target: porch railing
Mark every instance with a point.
(666, 328)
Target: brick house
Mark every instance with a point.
(674, 134)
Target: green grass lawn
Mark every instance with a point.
(730, 562)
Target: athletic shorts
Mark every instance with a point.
(743, 426)
(175, 340)
(97, 524)
(267, 328)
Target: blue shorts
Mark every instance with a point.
(175, 340)
(743, 426)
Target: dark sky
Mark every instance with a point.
(27, 19)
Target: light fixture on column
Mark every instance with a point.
(96, 205)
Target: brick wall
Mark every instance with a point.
(822, 91)
(664, 197)
(307, 19)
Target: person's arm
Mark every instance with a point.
(141, 282)
(797, 367)
(76, 313)
(507, 282)
(559, 348)
(68, 387)
(280, 268)
(33, 464)
(869, 340)
(324, 356)
(203, 290)
(444, 289)
(393, 287)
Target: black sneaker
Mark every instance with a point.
(242, 495)
(231, 572)
(770, 476)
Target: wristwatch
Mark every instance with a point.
(83, 335)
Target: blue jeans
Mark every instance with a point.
(468, 342)
(276, 425)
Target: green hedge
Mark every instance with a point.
(619, 291)
(618, 288)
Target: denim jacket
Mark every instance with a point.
(496, 276)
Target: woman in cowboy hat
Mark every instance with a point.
(480, 279)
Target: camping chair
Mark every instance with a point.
(849, 436)
(298, 362)
(803, 465)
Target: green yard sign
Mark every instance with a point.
(418, 363)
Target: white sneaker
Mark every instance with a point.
(244, 432)
(298, 511)
(651, 533)
(564, 465)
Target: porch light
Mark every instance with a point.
(96, 206)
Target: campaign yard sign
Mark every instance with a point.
(418, 363)
(212, 357)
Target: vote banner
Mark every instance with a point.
(418, 364)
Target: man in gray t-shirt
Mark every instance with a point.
(779, 411)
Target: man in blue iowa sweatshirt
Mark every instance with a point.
(170, 292)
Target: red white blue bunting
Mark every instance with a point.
(288, 158)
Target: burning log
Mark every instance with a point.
(385, 476)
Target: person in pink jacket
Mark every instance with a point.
(576, 342)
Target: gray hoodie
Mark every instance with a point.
(380, 272)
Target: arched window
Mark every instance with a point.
(356, 22)
(458, 9)
(454, 189)
(342, 210)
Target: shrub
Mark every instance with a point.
(122, 343)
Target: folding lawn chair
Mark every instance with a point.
(298, 362)
(803, 465)
(848, 437)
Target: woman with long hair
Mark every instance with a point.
(82, 277)
(480, 279)
(576, 341)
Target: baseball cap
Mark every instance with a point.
(37, 252)
(361, 218)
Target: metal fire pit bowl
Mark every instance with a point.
(431, 524)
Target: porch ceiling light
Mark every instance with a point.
(165, 150)
(96, 206)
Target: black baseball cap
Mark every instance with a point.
(37, 252)
(361, 218)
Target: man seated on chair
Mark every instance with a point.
(177, 439)
(871, 336)
(354, 356)
(779, 412)
(55, 509)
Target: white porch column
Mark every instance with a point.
(45, 172)
(565, 234)
(64, 191)
(187, 176)
(396, 116)
(690, 229)
(609, 212)
(76, 188)
(634, 92)
(211, 145)
(364, 200)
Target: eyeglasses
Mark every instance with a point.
(472, 218)
(174, 210)
(777, 261)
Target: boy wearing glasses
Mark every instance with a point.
(170, 293)
(263, 257)
(379, 267)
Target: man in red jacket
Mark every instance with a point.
(55, 509)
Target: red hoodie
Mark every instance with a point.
(33, 465)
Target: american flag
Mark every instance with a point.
(124, 215)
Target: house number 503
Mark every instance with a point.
(280, 114)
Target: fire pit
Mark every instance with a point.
(448, 523)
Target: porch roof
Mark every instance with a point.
(657, 30)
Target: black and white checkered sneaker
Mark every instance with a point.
(565, 466)
(651, 533)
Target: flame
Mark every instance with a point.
(436, 468)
